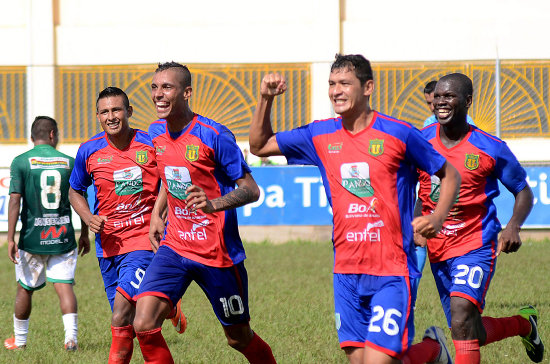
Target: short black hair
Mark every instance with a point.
(112, 91)
(430, 87)
(42, 126)
(180, 67)
(356, 62)
(465, 83)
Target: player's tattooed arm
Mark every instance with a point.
(247, 192)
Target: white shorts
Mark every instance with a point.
(32, 270)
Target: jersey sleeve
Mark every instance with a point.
(509, 171)
(297, 146)
(228, 155)
(17, 183)
(422, 154)
(80, 178)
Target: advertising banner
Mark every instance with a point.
(294, 195)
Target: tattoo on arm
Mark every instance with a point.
(236, 198)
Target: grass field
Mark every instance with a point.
(291, 308)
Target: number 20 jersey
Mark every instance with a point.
(370, 180)
(481, 160)
(41, 176)
(204, 154)
(126, 184)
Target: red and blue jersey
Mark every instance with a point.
(204, 154)
(482, 160)
(370, 179)
(126, 184)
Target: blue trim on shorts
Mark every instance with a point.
(364, 302)
(170, 274)
(467, 276)
(124, 273)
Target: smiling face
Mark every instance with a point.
(113, 115)
(347, 95)
(451, 102)
(169, 94)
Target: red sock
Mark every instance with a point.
(503, 327)
(122, 344)
(467, 352)
(153, 347)
(424, 352)
(258, 352)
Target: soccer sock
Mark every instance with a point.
(424, 352)
(70, 323)
(153, 347)
(20, 331)
(503, 327)
(467, 352)
(122, 344)
(258, 351)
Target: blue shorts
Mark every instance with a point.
(374, 311)
(467, 276)
(124, 273)
(170, 274)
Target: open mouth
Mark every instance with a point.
(113, 125)
(162, 106)
(443, 113)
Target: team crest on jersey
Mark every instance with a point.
(376, 147)
(141, 156)
(192, 152)
(160, 149)
(472, 161)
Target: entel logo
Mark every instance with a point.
(366, 235)
(193, 235)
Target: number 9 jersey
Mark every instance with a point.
(41, 176)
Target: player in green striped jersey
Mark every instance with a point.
(47, 248)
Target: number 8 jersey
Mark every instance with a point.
(41, 176)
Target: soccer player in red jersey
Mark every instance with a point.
(368, 163)
(463, 255)
(120, 163)
(200, 163)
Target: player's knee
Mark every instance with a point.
(119, 319)
(239, 337)
(144, 322)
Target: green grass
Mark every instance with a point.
(291, 308)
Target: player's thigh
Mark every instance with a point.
(168, 276)
(444, 282)
(131, 271)
(374, 311)
(108, 269)
(391, 324)
(60, 268)
(352, 320)
(30, 270)
(227, 291)
(471, 274)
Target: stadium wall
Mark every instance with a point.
(38, 37)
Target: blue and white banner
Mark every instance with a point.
(293, 195)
